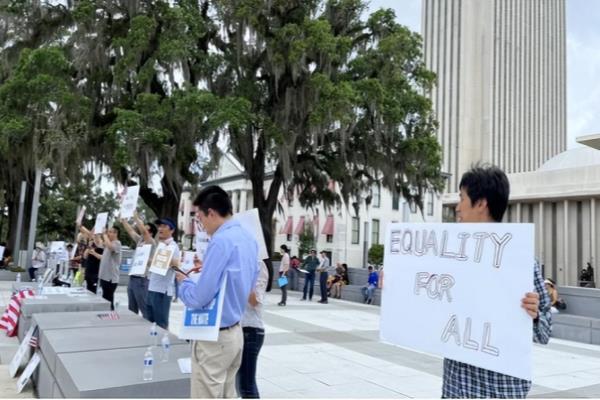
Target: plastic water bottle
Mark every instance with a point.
(148, 373)
(98, 290)
(153, 335)
(166, 347)
(40, 287)
(19, 277)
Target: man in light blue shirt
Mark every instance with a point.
(232, 254)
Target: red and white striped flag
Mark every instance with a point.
(109, 316)
(10, 318)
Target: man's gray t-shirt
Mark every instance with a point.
(110, 263)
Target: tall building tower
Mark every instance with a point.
(501, 89)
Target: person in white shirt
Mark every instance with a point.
(38, 260)
(254, 336)
(284, 267)
(324, 270)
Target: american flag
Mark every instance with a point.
(109, 316)
(33, 342)
(10, 318)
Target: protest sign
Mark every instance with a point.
(129, 202)
(188, 261)
(455, 290)
(251, 222)
(140, 259)
(203, 324)
(201, 242)
(26, 375)
(162, 259)
(100, 224)
(1, 252)
(80, 215)
(21, 354)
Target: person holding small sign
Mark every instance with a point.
(310, 265)
(109, 265)
(484, 192)
(137, 288)
(232, 254)
(161, 287)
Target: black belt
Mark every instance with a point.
(229, 327)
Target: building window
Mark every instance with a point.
(329, 238)
(376, 195)
(289, 238)
(395, 200)
(430, 203)
(375, 232)
(355, 230)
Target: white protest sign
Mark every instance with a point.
(455, 290)
(140, 259)
(188, 261)
(1, 252)
(57, 247)
(203, 324)
(31, 366)
(162, 259)
(21, 354)
(251, 222)
(101, 220)
(129, 203)
(80, 216)
(202, 241)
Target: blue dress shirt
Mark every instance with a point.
(232, 253)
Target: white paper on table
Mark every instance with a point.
(26, 375)
(140, 259)
(80, 216)
(188, 261)
(129, 203)
(21, 354)
(162, 259)
(185, 365)
(101, 220)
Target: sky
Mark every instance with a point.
(583, 59)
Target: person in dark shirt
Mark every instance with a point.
(91, 263)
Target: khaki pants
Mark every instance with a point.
(215, 365)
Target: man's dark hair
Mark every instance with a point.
(370, 268)
(284, 248)
(490, 183)
(116, 228)
(214, 197)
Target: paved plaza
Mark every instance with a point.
(332, 351)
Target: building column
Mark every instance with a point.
(518, 213)
(234, 200)
(563, 274)
(243, 195)
(540, 234)
(593, 238)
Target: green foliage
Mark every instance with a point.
(376, 254)
(59, 204)
(306, 240)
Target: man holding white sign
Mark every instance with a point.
(232, 255)
(161, 286)
(470, 260)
